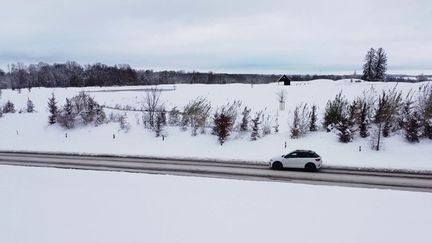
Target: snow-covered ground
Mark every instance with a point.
(31, 132)
(44, 205)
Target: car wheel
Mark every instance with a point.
(310, 167)
(277, 165)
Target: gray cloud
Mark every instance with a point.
(251, 36)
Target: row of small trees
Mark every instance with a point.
(373, 114)
(80, 109)
(381, 115)
(197, 117)
(9, 107)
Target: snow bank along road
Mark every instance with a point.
(400, 180)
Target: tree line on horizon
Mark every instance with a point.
(72, 74)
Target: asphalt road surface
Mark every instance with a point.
(334, 176)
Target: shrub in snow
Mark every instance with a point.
(9, 107)
(84, 107)
(195, 115)
(425, 109)
(53, 110)
(124, 124)
(30, 106)
(174, 116)
(266, 127)
(67, 115)
(81, 109)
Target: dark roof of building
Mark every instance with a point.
(284, 78)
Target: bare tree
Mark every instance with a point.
(151, 105)
(281, 95)
(301, 121)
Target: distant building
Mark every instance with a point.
(285, 80)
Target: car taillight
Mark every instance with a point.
(317, 159)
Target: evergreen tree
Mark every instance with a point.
(295, 126)
(53, 110)
(276, 125)
(88, 112)
(67, 116)
(244, 125)
(425, 109)
(222, 123)
(380, 65)
(363, 121)
(334, 111)
(412, 127)
(100, 116)
(369, 65)
(345, 133)
(313, 119)
(255, 126)
(9, 107)
(30, 106)
(159, 123)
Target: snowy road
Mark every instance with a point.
(231, 170)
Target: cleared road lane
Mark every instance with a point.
(399, 180)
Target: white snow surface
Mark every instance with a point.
(31, 132)
(42, 205)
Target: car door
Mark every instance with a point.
(292, 160)
(303, 159)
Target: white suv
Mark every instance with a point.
(301, 159)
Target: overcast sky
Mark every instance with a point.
(268, 36)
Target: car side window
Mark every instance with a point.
(292, 155)
(303, 155)
(308, 155)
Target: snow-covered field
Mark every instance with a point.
(44, 205)
(31, 132)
